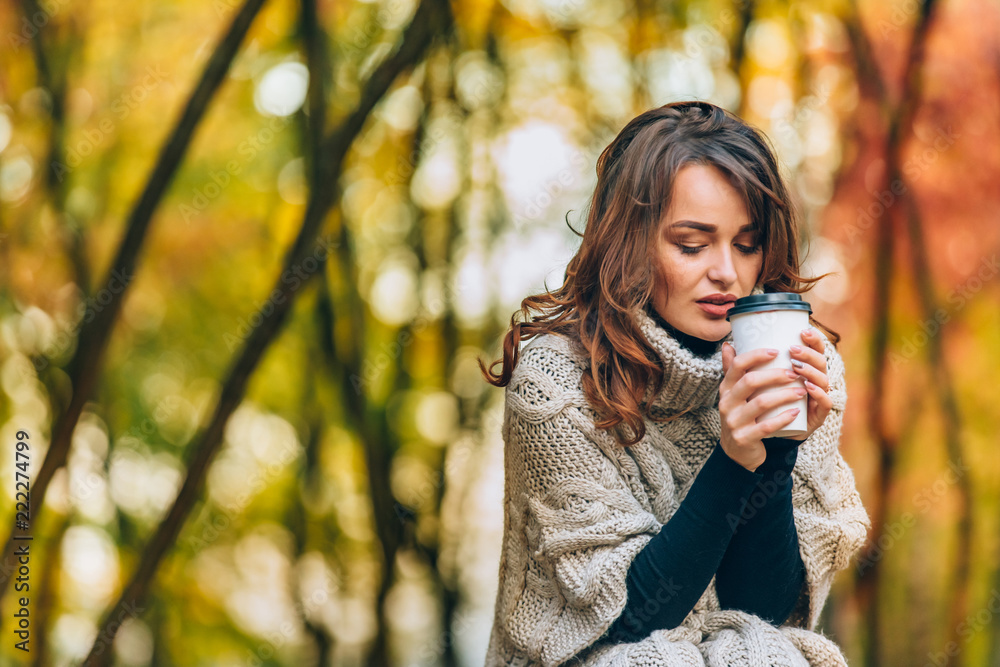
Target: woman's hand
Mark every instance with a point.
(813, 370)
(741, 433)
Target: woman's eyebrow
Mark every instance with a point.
(707, 226)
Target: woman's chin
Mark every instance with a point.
(715, 333)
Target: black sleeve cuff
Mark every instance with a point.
(721, 486)
(781, 455)
(667, 577)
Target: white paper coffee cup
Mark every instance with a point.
(773, 320)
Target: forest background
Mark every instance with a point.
(250, 254)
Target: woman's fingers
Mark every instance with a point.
(740, 413)
(811, 351)
(816, 383)
(813, 340)
(750, 412)
(728, 353)
(755, 381)
(765, 428)
(818, 394)
(809, 355)
(779, 422)
(742, 363)
(739, 364)
(811, 374)
(736, 366)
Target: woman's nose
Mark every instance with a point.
(723, 268)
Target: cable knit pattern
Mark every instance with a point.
(579, 507)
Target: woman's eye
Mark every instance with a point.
(694, 250)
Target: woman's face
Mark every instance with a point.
(703, 249)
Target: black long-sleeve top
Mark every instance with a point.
(735, 524)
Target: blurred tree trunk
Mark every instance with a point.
(85, 365)
(450, 343)
(942, 383)
(425, 25)
(371, 423)
(869, 565)
(4, 255)
(299, 518)
(899, 118)
(48, 590)
(313, 126)
(430, 256)
(738, 48)
(51, 67)
(52, 64)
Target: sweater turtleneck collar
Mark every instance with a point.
(692, 371)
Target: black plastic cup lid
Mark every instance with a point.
(768, 301)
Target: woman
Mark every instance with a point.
(649, 519)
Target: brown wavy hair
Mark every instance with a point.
(612, 273)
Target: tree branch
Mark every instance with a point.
(900, 124)
(85, 366)
(416, 39)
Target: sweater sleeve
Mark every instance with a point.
(830, 520)
(669, 575)
(574, 524)
(762, 571)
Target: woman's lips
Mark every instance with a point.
(718, 310)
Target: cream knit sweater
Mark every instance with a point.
(578, 508)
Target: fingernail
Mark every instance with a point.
(772, 351)
(796, 348)
(792, 374)
(797, 363)
(810, 384)
(807, 332)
